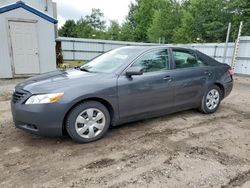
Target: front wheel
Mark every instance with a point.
(88, 121)
(211, 100)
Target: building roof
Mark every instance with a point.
(21, 4)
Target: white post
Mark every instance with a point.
(226, 44)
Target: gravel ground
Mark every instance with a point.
(186, 149)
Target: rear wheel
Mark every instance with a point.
(88, 121)
(211, 100)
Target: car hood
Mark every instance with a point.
(57, 81)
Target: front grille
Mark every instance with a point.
(18, 96)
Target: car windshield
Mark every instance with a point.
(109, 61)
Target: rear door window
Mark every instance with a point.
(186, 59)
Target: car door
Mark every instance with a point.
(152, 92)
(191, 75)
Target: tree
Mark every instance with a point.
(68, 29)
(128, 27)
(204, 20)
(83, 29)
(184, 34)
(138, 21)
(114, 30)
(240, 9)
(166, 21)
(90, 26)
(143, 17)
(96, 20)
(178, 21)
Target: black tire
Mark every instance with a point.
(203, 108)
(72, 116)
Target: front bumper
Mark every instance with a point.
(40, 119)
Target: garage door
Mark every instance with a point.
(24, 47)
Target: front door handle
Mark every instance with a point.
(208, 73)
(168, 78)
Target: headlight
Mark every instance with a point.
(44, 98)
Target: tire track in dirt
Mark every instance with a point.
(179, 146)
(238, 180)
(206, 122)
(100, 163)
(140, 157)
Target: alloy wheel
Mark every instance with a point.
(212, 99)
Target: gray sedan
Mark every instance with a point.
(123, 85)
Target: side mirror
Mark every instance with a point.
(131, 71)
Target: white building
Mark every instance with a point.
(27, 37)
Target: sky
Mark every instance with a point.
(74, 9)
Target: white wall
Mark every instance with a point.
(38, 4)
(243, 58)
(46, 42)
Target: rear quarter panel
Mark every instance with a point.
(223, 78)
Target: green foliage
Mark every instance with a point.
(166, 20)
(184, 33)
(143, 17)
(128, 27)
(96, 20)
(127, 32)
(203, 21)
(175, 21)
(68, 29)
(114, 30)
(90, 26)
(83, 29)
(240, 9)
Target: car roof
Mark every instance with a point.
(149, 47)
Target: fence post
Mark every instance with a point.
(74, 55)
(215, 51)
(226, 45)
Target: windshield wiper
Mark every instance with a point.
(84, 69)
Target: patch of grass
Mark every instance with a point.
(71, 64)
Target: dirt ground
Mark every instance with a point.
(186, 149)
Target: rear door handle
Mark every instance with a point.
(168, 78)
